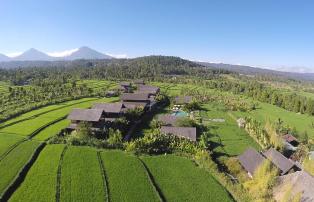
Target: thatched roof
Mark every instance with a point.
(139, 81)
(109, 107)
(186, 132)
(135, 97)
(298, 182)
(280, 161)
(148, 89)
(183, 99)
(251, 160)
(168, 119)
(133, 105)
(92, 115)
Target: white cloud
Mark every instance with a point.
(62, 53)
(117, 55)
(11, 55)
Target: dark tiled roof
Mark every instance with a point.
(289, 138)
(300, 181)
(93, 115)
(187, 132)
(135, 96)
(139, 81)
(183, 99)
(168, 119)
(282, 163)
(132, 105)
(109, 107)
(126, 84)
(251, 160)
(148, 89)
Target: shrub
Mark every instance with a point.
(115, 137)
(260, 187)
(192, 106)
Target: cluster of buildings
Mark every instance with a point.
(169, 121)
(133, 95)
(251, 160)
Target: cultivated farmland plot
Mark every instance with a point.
(127, 177)
(180, 180)
(26, 124)
(11, 164)
(41, 181)
(81, 176)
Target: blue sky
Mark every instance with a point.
(268, 33)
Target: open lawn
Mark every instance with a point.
(227, 138)
(302, 122)
(14, 162)
(128, 180)
(180, 180)
(41, 181)
(81, 176)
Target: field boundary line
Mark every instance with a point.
(12, 148)
(104, 176)
(58, 183)
(38, 130)
(20, 177)
(29, 137)
(152, 180)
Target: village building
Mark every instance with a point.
(300, 182)
(139, 82)
(167, 119)
(112, 111)
(126, 87)
(251, 160)
(182, 100)
(111, 93)
(291, 140)
(133, 100)
(185, 132)
(96, 117)
(151, 90)
(284, 164)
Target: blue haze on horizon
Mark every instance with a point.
(274, 34)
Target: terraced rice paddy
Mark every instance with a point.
(27, 124)
(81, 176)
(52, 130)
(4, 88)
(180, 180)
(127, 177)
(11, 164)
(7, 140)
(41, 181)
(97, 85)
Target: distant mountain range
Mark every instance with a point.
(36, 55)
(248, 70)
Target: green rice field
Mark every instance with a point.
(180, 180)
(128, 180)
(81, 176)
(11, 164)
(41, 181)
